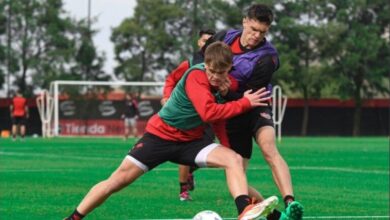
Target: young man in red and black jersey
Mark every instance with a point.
(19, 115)
(255, 61)
(176, 134)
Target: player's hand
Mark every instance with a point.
(258, 98)
(223, 88)
(163, 101)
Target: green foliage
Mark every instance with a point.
(44, 45)
(356, 53)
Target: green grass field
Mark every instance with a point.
(334, 178)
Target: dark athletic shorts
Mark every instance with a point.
(19, 120)
(242, 128)
(151, 151)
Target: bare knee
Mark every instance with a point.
(235, 161)
(270, 151)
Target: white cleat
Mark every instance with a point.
(259, 210)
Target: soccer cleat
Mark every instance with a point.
(191, 182)
(185, 196)
(294, 211)
(259, 210)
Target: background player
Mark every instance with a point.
(130, 116)
(19, 115)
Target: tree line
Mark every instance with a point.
(328, 48)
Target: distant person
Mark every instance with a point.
(19, 115)
(175, 134)
(204, 35)
(130, 116)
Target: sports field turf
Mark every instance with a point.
(334, 178)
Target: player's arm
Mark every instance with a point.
(263, 72)
(261, 77)
(198, 91)
(172, 80)
(219, 129)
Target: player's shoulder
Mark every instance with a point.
(270, 61)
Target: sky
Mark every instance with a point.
(109, 14)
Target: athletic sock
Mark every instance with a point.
(183, 187)
(242, 201)
(287, 199)
(275, 215)
(75, 216)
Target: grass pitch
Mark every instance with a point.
(334, 178)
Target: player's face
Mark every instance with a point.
(216, 77)
(253, 32)
(202, 40)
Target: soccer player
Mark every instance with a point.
(19, 115)
(175, 134)
(130, 116)
(186, 176)
(255, 61)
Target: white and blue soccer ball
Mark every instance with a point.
(207, 215)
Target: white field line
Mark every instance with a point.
(84, 158)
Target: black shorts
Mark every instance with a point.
(151, 151)
(242, 128)
(19, 120)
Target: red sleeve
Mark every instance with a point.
(174, 77)
(219, 129)
(198, 91)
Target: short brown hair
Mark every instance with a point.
(261, 13)
(219, 56)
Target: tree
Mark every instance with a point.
(159, 35)
(89, 63)
(45, 45)
(3, 49)
(358, 51)
(296, 35)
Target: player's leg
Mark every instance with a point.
(252, 192)
(266, 139)
(127, 129)
(23, 122)
(183, 177)
(237, 184)
(240, 140)
(141, 158)
(14, 131)
(15, 124)
(134, 129)
(125, 174)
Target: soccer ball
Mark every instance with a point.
(207, 215)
